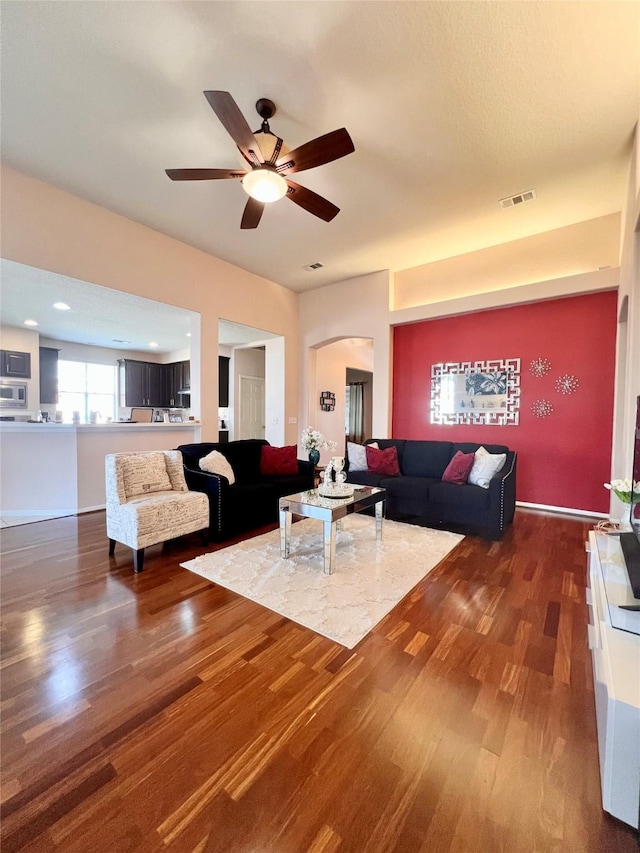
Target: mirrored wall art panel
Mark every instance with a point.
(476, 392)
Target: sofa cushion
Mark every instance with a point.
(485, 466)
(382, 461)
(407, 495)
(458, 470)
(289, 485)
(364, 478)
(472, 497)
(426, 458)
(279, 461)
(244, 457)
(357, 455)
(144, 473)
(216, 463)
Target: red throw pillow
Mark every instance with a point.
(278, 461)
(382, 461)
(458, 470)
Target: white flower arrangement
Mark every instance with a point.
(624, 490)
(311, 439)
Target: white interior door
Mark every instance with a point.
(251, 407)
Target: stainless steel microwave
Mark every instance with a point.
(13, 395)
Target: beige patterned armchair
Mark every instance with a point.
(148, 501)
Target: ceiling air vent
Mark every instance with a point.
(311, 267)
(528, 195)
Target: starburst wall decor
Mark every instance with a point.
(540, 367)
(541, 408)
(567, 384)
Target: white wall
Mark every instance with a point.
(274, 361)
(628, 362)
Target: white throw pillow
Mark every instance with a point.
(358, 455)
(485, 466)
(216, 463)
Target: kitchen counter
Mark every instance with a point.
(50, 468)
(116, 426)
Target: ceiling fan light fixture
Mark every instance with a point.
(264, 185)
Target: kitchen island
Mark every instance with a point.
(58, 469)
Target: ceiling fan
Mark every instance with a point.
(270, 161)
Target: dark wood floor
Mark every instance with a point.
(160, 712)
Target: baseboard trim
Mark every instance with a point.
(30, 513)
(562, 509)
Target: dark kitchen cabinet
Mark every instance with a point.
(16, 364)
(48, 375)
(178, 384)
(142, 383)
(223, 380)
(145, 383)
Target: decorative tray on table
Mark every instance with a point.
(335, 490)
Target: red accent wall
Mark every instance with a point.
(563, 459)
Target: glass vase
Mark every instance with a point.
(314, 456)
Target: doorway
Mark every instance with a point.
(251, 407)
(358, 405)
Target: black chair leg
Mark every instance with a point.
(138, 560)
(112, 547)
(204, 536)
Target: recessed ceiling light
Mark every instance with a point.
(61, 306)
(153, 344)
(31, 322)
(188, 334)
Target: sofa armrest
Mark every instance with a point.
(203, 481)
(502, 491)
(306, 467)
(214, 486)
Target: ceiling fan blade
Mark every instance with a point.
(319, 151)
(236, 125)
(311, 201)
(252, 213)
(203, 174)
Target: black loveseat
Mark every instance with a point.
(418, 493)
(253, 499)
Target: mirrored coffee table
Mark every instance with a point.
(330, 511)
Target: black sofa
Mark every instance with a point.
(419, 495)
(253, 499)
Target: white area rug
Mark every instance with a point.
(368, 578)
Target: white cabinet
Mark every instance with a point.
(616, 673)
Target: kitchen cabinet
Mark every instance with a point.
(223, 380)
(145, 383)
(178, 384)
(16, 364)
(142, 383)
(48, 375)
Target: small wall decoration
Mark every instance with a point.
(540, 367)
(541, 408)
(567, 384)
(327, 401)
(479, 392)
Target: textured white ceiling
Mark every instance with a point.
(451, 106)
